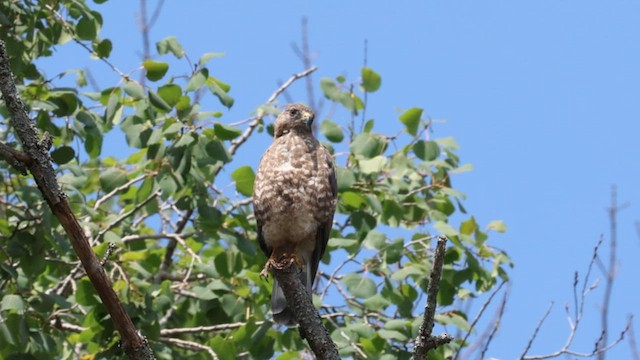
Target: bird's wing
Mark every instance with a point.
(259, 204)
(324, 230)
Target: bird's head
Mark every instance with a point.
(294, 117)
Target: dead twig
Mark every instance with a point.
(425, 341)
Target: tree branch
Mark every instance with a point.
(311, 327)
(256, 121)
(134, 345)
(425, 341)
(15, 158)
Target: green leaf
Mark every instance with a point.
(225, 132)
(13, 302)
(157, 101)
(330, 89)
(368, 145)
(66, 103)
(345, 178)
(468, 227)
(411, 119)
(85, 293)
(244, 177)
(87, 28)
(208, 56)
(220, 89)
(170, 93)
(497, 225)
(453, 317)
(170, 44)
(392, 335)
(373, 165)
(371, 80)
(352, 199)
(375, 240)
(445, 229)
(103, 48)
(197, 80)
(332, 131)
(360, 286)
(426, 150)
(112, 178)
(155, 69)
(134, 89)
(63, 155)
(376, 303)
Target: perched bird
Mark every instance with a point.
(294, 199)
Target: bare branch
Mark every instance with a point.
(120, 188)
(425, 341)
(483, 308)
(496, 325)
(537, 329)
(632, 343)
(15, 158)
(190, 345)
(125, 215)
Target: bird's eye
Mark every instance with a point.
(294, 112)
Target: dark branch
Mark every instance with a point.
(425, 341)
(311, 327)
(15, 158)
(134, 345)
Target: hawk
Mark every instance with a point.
(294, 199)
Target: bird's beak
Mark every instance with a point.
(308, 117)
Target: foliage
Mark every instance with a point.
(170, 191)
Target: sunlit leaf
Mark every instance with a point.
(371, 80)
(411, 119)
(155, 69)
(244, 177)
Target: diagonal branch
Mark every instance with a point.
(134, 345)
(311, 327)
(425, 341)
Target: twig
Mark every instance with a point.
(120, 188)
(133, 344)
(496, 326)
(171, 246)
(610, 272)
(632, 343)
(537, 329)
(598, 350)
(204, 329)
(235, 144)
(304, 55)
(190, 345)
(122, 217)
(425, 341)
(15, 158)
(72, 32)
(484, 307)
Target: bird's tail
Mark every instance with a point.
(282, 314)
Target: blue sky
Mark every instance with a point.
(542, 96)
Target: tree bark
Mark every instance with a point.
(311, 327)
(425, 341)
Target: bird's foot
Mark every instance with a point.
(265, 271)
(287, 260)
